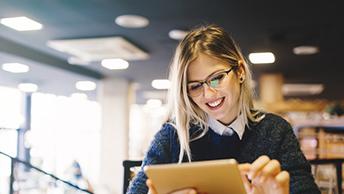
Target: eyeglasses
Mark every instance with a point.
(195, 88)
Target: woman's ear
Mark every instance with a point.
(241, 71)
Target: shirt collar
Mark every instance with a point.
(238, 125)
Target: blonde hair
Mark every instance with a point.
(183, 112)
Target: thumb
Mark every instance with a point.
(151, 187)
(247, 184)
(244, 169)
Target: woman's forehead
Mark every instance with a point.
(203, 66)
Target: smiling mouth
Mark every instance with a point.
(216, 104)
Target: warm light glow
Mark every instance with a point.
(161, 84)
(114, 64)
(302, 89)
(85, 85)
(305, 50)
(15, 67)
(21, 23)
(261, 58)
(28, 87)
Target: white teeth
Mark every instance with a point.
(215, 103)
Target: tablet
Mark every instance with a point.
(212, 177)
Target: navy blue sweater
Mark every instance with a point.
(272, 136)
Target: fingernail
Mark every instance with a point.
(249, 176)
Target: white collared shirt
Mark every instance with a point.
(238, 125)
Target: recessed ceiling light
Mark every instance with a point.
(77, 61)
(161, 84)
(155, 94)
(28, 87)
(21, 23)
(132, 21)
(305, 50)
(302, 89)
(85, 85)
(177, 34)
(262, 58)
(15, 67)
(114, 64)
(153, 103)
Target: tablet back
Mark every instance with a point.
(212, 177)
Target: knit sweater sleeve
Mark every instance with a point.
(293, 160)
(158, 153)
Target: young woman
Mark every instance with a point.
(212, 117)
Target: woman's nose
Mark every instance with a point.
(209, 92)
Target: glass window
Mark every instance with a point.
(10, 120)
(64, 129)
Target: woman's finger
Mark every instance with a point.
(151, 187)
(283, 178)
(244, 168)
(257, 166)
(184, 191)
(247, 184)
(272, 168)
(282, 182)
(192, 191)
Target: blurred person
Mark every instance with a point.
(76, 177)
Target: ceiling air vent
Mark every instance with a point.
(96, 49)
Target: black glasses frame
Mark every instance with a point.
(208, 79)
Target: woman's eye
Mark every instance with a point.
(218, 77)
(195, 86)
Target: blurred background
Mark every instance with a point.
(83, 83)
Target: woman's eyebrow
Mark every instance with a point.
(206, 77)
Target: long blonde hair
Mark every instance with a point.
(183, 112)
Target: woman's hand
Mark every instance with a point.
(152, 189)
(264, 176)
